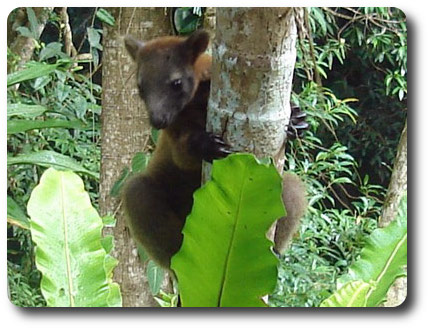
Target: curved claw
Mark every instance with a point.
(224, 152)
(301, 125)
(294, 107)
(217, 148)
(298, 115)
(297, 123)
(218, 140)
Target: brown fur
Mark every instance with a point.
(158, 200)
(293, 195)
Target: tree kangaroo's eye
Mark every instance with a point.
(176, 83)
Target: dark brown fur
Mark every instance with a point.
(158, 200)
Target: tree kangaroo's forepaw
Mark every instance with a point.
(298, 124)
(216, 148)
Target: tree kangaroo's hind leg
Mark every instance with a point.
(152, 222)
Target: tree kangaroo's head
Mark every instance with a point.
(165, 76)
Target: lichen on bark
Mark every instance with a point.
(253, 61)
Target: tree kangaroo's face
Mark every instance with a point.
(166, 84)
(165, 76)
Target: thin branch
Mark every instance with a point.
(69, 48)
(131, 20)
(335, 13)
(311, 48)
(298, 16)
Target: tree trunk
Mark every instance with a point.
(209, 23)
(19, 44)
(125, 131)
(396, 190)
(253, 62)
(398, 183)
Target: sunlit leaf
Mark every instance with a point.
(67, 231)
(352, 294)
(383, 258)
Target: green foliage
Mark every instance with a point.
(328, 242)
(39, 141)
(345, 156)
(225, 236)
(25, 110)
(362, 53)
(33, 70)
(23, 291)
(76, 270)
(94, 39)
(15, 215)
(53, 115)
(167, 299)
(352, 294)
(343, 208)
(185, 20)
(30, 31)
(382, 260)
(104, 16)
(50, 158)
(155, 276)
(22, 125)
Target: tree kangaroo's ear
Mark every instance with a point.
(196, 44)
(133, 45)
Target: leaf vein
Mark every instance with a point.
(66, 244)
(227, 261)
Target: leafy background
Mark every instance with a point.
(351, 64)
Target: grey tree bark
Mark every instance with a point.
(125, 131)
(396, 190)
(253, 62)
(398, 182)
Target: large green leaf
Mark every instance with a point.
(15, 126)
(49, 158)
(383, 258)
(32, 71)
(67, 230)
(25, 110)
(352, 294)
(225, 259)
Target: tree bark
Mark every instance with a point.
(398, 182)
(125, 131)
(21, 45)
(209, 23)
(396, 190)
(253, 62)
(254, 56)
